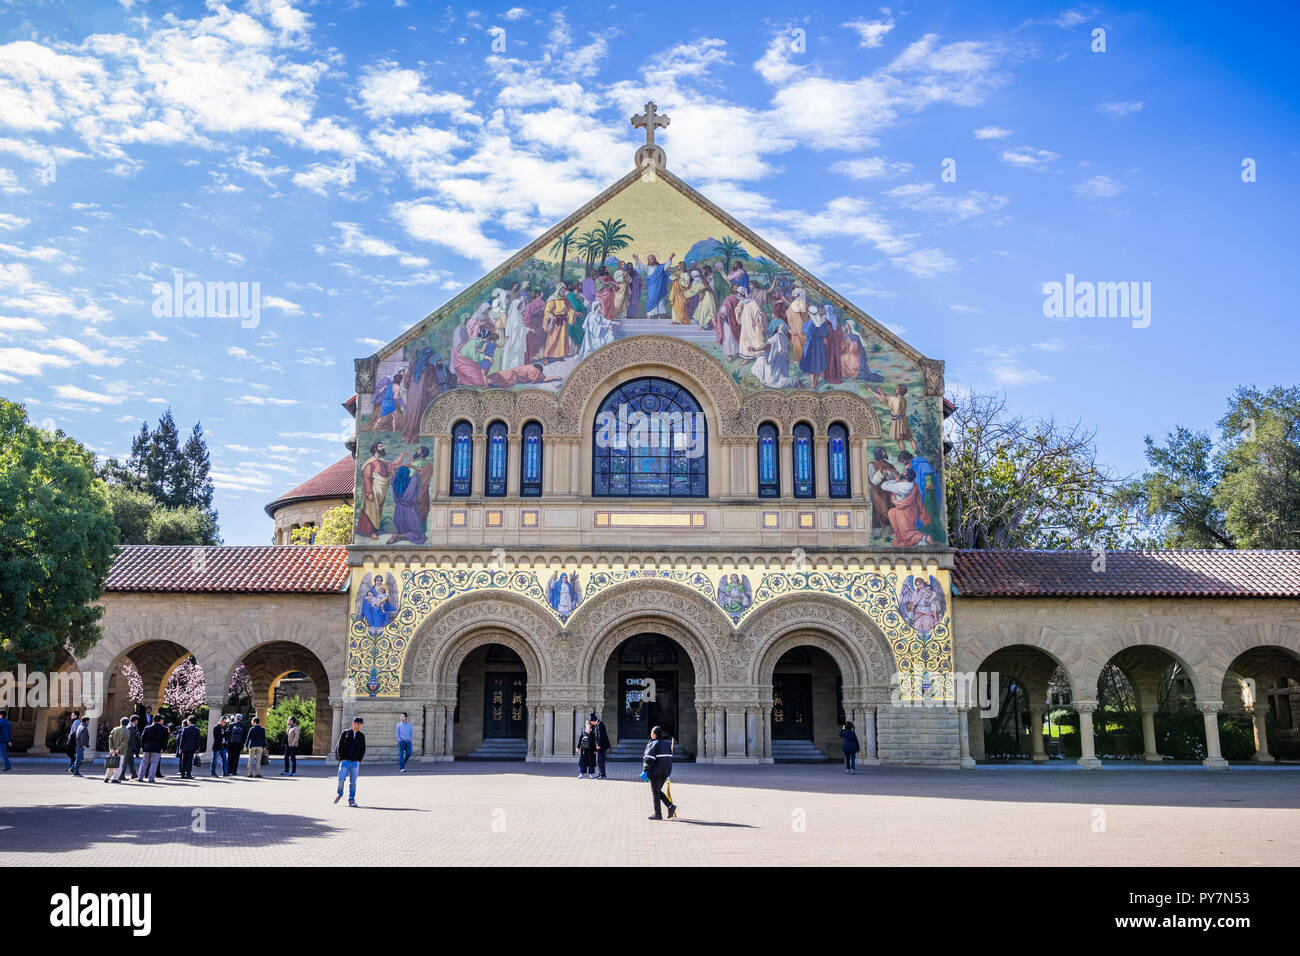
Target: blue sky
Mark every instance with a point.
(363, 162)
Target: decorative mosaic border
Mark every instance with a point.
(376, 656)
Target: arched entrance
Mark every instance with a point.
(1262, 687)
(1032, 686)
(1148, 707)
(278, 671)
(491, 715)
(649, 682)
(807, 706)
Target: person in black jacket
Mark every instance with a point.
(849, 743)
(350, 752)
(234, 744)
(586, 751)
(602, 742)
(256, 744)
(657, 767)
(152, 742)
(218, 756)
(132, 747)
(189, 747)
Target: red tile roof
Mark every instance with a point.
(1128, 574)
(339, 480)
(298, 569)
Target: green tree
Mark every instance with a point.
(277, 721)
(1259, 464)
(191, 526)
(561, 245)
(1177, 497)
(57, 540)
(612, 237)
(1016, 483)
(729, 248)
(335, 528)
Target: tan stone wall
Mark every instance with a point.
(1204, 634)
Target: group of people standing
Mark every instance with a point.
(146, 740)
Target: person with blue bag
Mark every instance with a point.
(657, 767)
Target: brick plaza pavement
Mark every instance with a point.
(524, 814)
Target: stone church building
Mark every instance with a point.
(651, 468)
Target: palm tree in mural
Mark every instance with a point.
(613, 237)
(729, 249)
(561, 245)
(588, 245)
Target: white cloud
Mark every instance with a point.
(1028, 156)
(927, 197)
(1119, 109)
(1098, 187)
(353, 240)
(284, 305)
(21, 361)
(872, 167)
(992, 132)
(925, 263)
(871, 33)
(74, 393)
(388, 90)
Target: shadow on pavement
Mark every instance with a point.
(63, 828)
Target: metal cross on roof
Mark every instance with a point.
(650, 156)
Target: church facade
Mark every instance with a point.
(651, 468)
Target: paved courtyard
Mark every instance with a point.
(469, 813)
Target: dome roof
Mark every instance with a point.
(339, 480)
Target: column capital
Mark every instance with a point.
(218, 702)
(1209, 706)
(1085, 706)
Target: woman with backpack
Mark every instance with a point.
(849, 742)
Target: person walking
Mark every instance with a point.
(586, 751)
(189, 747)
(235, 733)
(132, 752)
(849, 742)
(351, 750)
(405, 742)
(81, 741)
(218, 755)
(118, 738)
(152, 742)
(256, 747)
(6, 735)
(292, 734)
(70, 742)
(602, 743)
(657, 767)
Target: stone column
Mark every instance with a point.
(1261, 735)
(870, 752)
(548, 732)
(449, 741)
(701, 732)
(336, 704)
(575, 468)
(786, 443)
(93, 750)
(1087, 747)
(42, 724)
(821, 473)
(441, 466)
(432, 734)
(963, 739)
(857, 454)
(765, 733)
(513, 444)
(1150, 752)
(1213, 753)
(720, 742)
(478, 469)
(1036, 748)
(751, 732)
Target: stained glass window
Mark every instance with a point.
(530, 461)
(462, 458)
(837, 460)
(498, 453)
(769, 462)
(804, 478)
(650, 440)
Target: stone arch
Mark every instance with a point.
(479, 406)
(1034, 664)
(324, 648)
(469, 621)
(1193, 654)
(973, 647)
(603, 622)
(624, 359)
(870, 657)
(1234, 642)
(834, 645)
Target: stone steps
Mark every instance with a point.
(797, 751)
(500, 748)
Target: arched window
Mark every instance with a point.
(650, 440)
(530, 461)
(837, 460)
(769, 462)
(462, 458)
(805, 485)
(498, 454)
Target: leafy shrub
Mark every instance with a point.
(277, 723)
